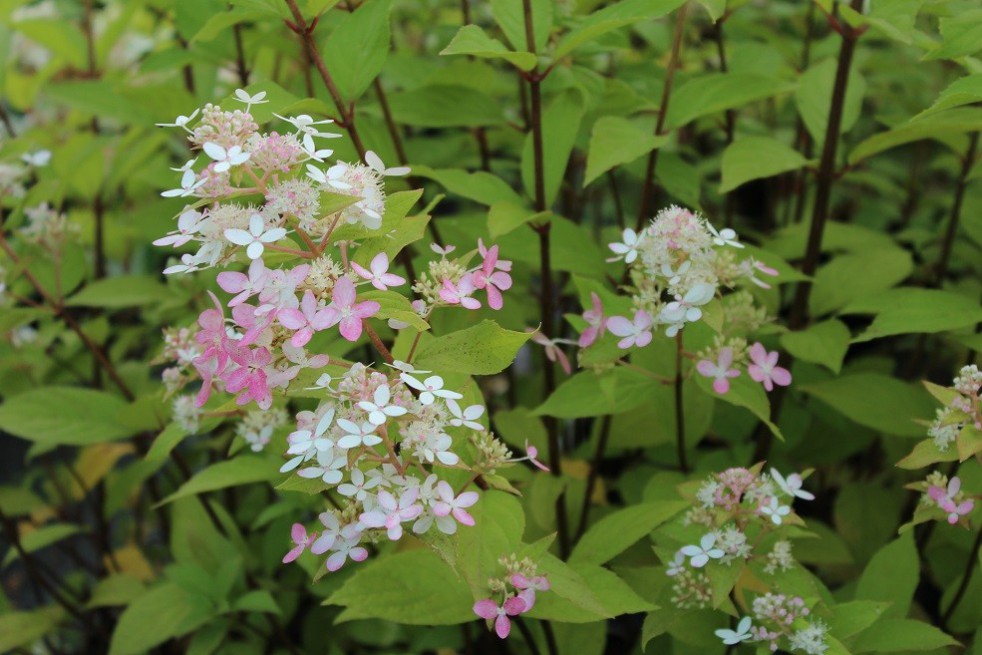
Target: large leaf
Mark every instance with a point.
(244, 469)
(560, 124)
(891, 576)
(625, 12)
(119, 292)
(162, 613)
(415, 587)
(617, 532)
(484, 349)
(595, 394)
(822, 343)
(357, 48)
(445, 105)
(851, 276)
(877, 401)
(931, 126)
(745, 393)
(962, 36)
(64, 416)
(756, 157)
(615, 141)
(25, 628)
(902, 636)
(716, 92)
(481, 187)
(814, 98)
(913, 311)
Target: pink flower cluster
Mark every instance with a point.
(951, 500)
(519, 600)
(492, 276)
(763, 368)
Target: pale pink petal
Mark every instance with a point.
(486, 609)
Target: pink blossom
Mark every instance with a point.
(634, 333)
(347, 547)
(247, 316)
(489, 610)
(306, 320)
(244, 285)
(300, 537)
(391, 513)
(532, 453)
(250, 376)
(492, 276)
(765, 369)
(719, 371)
(766, 270)
(378, 274)
(946, 500)
(448, 504)
(345, 311)
(212, 334)
(461, 293)
(553, 351)
(596, 321)
(528, 587)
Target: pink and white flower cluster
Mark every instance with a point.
(737, 507)
(962, 411)
(517, 591)
(777, 623)
(724, 366)
(947, 495)
(678, 264)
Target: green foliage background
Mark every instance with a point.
(444, 86)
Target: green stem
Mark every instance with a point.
(973, 556)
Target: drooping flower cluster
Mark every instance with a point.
(739, 508)
(516, 590)
(678, 264)
(377, 440)
(962, 411)
(779, 621)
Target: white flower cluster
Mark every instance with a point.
(678, 263)
(965, 409)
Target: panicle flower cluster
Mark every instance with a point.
(738, 507)
(516, 590)
(376, 439)
(779, 621)
(964, 409)
(678, 264)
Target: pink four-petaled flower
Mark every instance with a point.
(302, 540)
(596, 322)
(634, 333)
(306, 320)
(528, 587)
(493, 275)
(765, 369)
(345, 311)
(460, 293)
(491, 611)
(720, 371)
(945, 498)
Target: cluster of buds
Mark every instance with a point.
(739, 508)
(516, 591)
(962, 410)
(378, 440)
(678, 264)
(779, 621)
(723, 361)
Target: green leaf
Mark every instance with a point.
(615, 141)
(615, 533)
(814, 98)
(756, 157)
(963, 91)
(855, 616)
(499, 525)
(397, 306)
(851, 276)
(716, 92)
(560, 124)
(902, 635)
(962, 36)
(244, 469)
(43, 537)
(510, 16)
(414, 587)
(484, 349)
(115, 590)
(120, 292)
(626, 12)
(822, 343)
(165, 442)
(258, 600)
(891, 576)
(745, 393)
(162, 613)
(481, 187)
(24, 628)
(59, 35)
(503, 217)
(926, 453)
(932, 126)
(14, 317)
(877, 401)
(356, 50)
(64, 416)
(594, 394)
(445, 105)
(915, 311)
(471, 40)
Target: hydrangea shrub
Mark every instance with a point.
(509, 326)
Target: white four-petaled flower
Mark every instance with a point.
(700, 555)
(256, 237)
